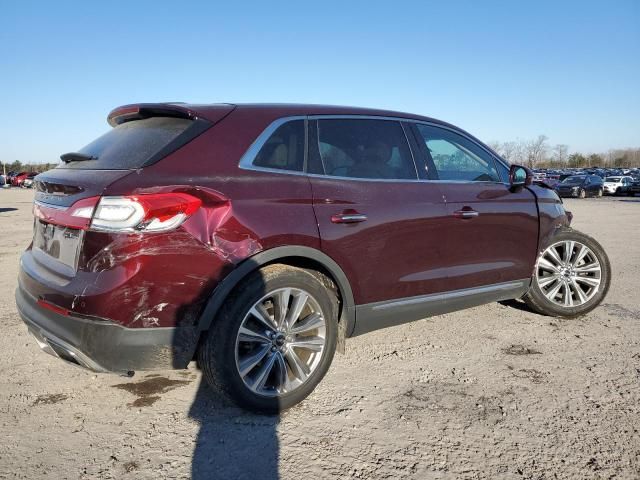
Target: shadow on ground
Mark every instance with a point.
(517, 304)
(232, 443)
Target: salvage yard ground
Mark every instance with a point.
(492, 392)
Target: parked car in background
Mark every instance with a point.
(634, 188)
(19, 178)
(28, 181)
(581, 186)
(256, 238)
(549, 181)
(617, 185)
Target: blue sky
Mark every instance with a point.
(502, 70)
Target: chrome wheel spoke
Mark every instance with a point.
(590, 268)
(315, 344)
(579, 292)
(547, 265)
(591, 281)
(553, 253)
(249, 362)
(311, 322)
(299, 368)
(548, 280)
(260, 313)
(568, 251)
(247, 335)
(283, 375)
(281, 306)
(298, 304)
(263, 373)
(568, 295)
(551, 294)
(582, 252)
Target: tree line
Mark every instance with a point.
(538, 153)
(18, 166)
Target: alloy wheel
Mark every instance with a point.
(280, 342)
(568, 273)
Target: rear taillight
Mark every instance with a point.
(156, 212)
(150, 213)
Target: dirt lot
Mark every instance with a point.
(492, 392)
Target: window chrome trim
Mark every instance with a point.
(246, 161)
(413, 156)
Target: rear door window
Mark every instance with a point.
(284, 150)
(457, 158)
(367, 148)
(132, 144)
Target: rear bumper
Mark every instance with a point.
(104, 346)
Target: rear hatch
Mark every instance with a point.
(141, 136)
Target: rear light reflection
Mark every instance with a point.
(53, 307)
(133, 213)
(151, 213)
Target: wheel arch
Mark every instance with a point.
(297, 256)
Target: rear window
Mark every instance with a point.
(132, 144)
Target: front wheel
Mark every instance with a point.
(571, 276)
(599, 193)
(273, 340)
(582, 193)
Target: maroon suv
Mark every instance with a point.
(256, 238)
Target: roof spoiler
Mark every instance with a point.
(139, 111)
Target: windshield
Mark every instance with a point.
(612, 179)
(574, 179)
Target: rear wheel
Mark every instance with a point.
(599, 193)
(273, 340)
(571, 276)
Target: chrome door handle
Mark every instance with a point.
(348, 218)
(465, 214)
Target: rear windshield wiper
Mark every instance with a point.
(76, 157)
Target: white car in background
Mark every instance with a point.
(617, 185)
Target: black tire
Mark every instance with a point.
(537, 300)
(216, 354)
(618, 191)
(582, 193)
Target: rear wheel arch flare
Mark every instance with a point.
(297, 256)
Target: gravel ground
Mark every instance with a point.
(491, 392)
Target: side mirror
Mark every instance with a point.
(519, 175)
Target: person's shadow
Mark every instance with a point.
(232, 443)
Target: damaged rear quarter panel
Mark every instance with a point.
(164, 279)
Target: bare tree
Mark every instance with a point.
(560, 154)
(536, 150)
